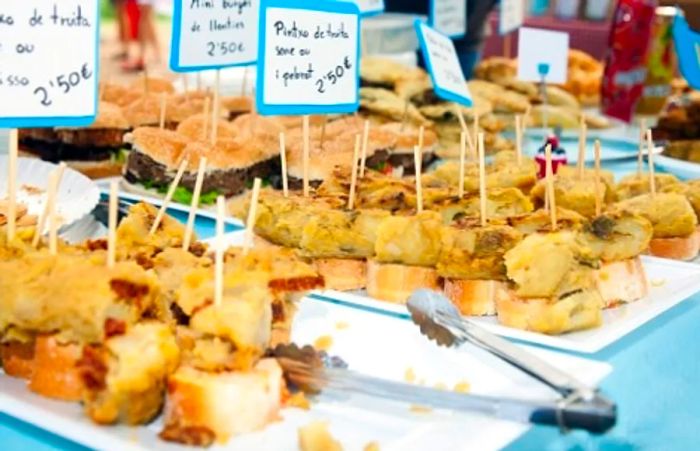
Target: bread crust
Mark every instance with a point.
(621, 282)
(55, 372)
(474, 297)
(342, 274)
(677, 248)
(395, 282)
(17, 359)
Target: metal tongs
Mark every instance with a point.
(579, 407)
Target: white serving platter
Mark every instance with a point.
(379, 345)
(671, 283)
(77, 194)
(683, 169)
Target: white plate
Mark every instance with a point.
(671, 283)
(683, 169)
(378, 345)
(77, 195)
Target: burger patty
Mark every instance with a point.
(88, 137)
(364, 83)
(229, 182)
(71, 145)
(406, 160)
(377, 159)
(297, 184)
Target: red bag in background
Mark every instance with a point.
(626, 57)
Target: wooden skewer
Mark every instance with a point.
(189, 229)
(640, 152)
(250, 223)
(418, 163)
(215, 109)
(365, 143)
(507, 45)
(305, 156)
(168, 196)
(324, 122)
(549, 174)
(476, 130)
(652, 170)
(462, 152)
(186, 87)
(283, 160)
(112, 224)
(519, 139)
(12, 187)
(244, 86)
(353, 176)
(482, 180)
(582, 140)
(161, 121)
(421, 138)
(199, 81)
(220, 249)
(205, 112)
(51, 191)
(460, 117)
(598, 197)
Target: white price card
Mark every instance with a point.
(211, 34)
(308, 57)
(449, 17)
(48, 62)
(443, 65)
(542, 54)
(511, 15)
(368, 7)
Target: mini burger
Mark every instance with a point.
(406, 137)
(145, 111)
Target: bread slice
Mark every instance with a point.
(395, 282)
(18, 358)
(621, 282)
(204, 407)
(579, 310)
(342, 274)
(677, 248)
(474, 297)
(55, 372)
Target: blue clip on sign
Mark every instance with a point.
(687, 44)
(308, 57)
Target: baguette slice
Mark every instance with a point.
(580, 310)
(204, 407)
(55, 372)
(18, 359)
(342, 274)
(621, 282)
(474, 297)
(676, 248)
(395, 282)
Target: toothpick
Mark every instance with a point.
(220, 249)
(283, 160)
(482, 179)
(598, 200)
(460, 117)
(549, 174)
(186, 87)
(305, 156)
(462, 152)
(418, 163)
(51, 190)
(244, 86)
(12, 187)
(421, 138)
(205, 112)
(199, 81)
(168, 196)
(652, 170)
(250, 223)
(476, 128)
(519, 139)
(365, 143)
(353, 176)
(640, 151)
(162, 111)
(582, 140)
(323, 131)
(112, 223)
(506, 45)
(215, 109)
(189, 230)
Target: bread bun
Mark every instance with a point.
(678, 248)
(621, 282)
(342, 274)
(55, 373)
(18, 359)
(474, 297)
(395, 282)
(579, 310)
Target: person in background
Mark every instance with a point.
(469, 47)
(147, 37)
(122, 28)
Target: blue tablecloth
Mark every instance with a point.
(655, 382)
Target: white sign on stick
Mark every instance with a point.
(542, 54)
(511, 15)
(443, 65)
(48, 62)
(308, 57)
(212, 34)
(449, 17)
